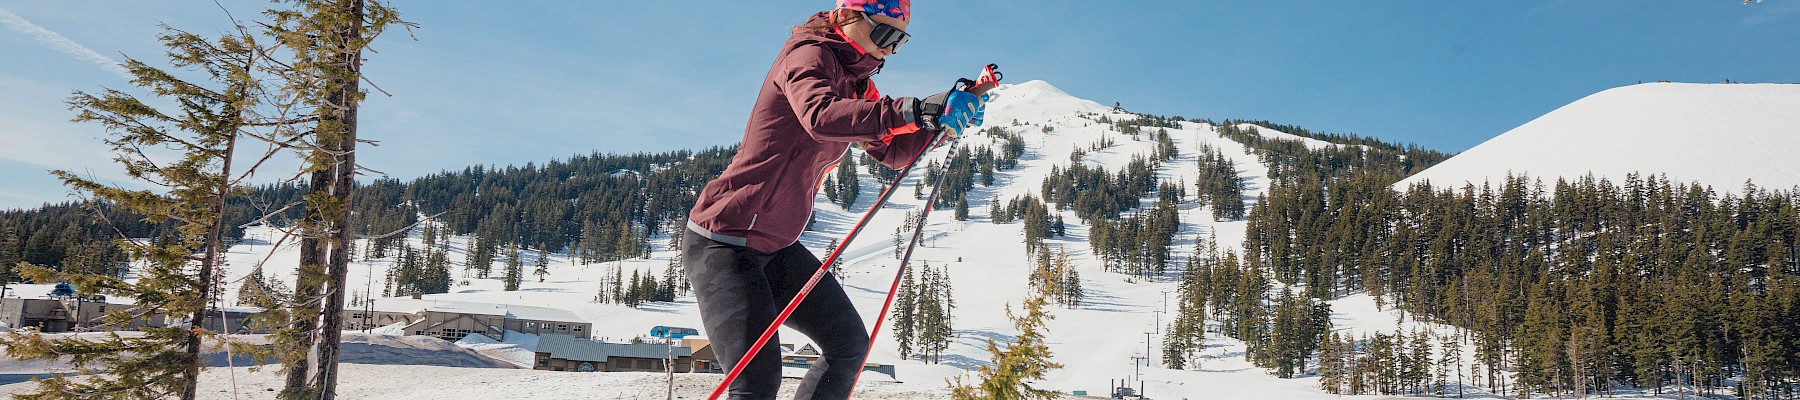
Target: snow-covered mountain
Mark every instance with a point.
(1716, 134)
(1096, 342)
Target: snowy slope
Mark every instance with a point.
(1095, 342)
(1716, 134)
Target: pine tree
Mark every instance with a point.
(10, 255)
(830, 189)
(1450, 359)
(996, 214)
(1419, 362)
(1027, 358)
(837, 264)
(326, 39)
(962, 208)
(543, 266)
(1331, 365)
(848, 183)
(618, 285)
(906, 313)
(594, 243)
(479, 258)
(1072, 291)
(515, 272)
(670, 287)
(436, 276)
(934, 320)
(627, 242)
(648, 292)
(634, 295)
(177, 277)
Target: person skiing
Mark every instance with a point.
(741, 249)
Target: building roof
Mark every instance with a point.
(406, 305)
(572, 348)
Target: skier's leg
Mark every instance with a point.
(827, 317)
(735, 306)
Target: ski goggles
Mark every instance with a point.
(886, 36)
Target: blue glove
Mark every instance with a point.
(954, 111)
(964, 111)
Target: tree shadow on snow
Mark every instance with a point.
(962, 362)
(666, 307)
(1103, 302)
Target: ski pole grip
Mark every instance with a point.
(989, 78)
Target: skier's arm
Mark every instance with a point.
(806, 80)
(896, 151)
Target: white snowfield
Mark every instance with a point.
(1096, 343)
(1716, 134)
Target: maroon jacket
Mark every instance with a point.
(815, 102)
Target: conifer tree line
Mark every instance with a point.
(1282, 320)
(1290, 159)
(1093, 192)
(76, 237)
(80, 235)
(588, 202)
(1011, 148)
(643, 287)
(1579, 287)
(1138, 244)
(1415, 364)
(1219, 185)
(882, 173)
(960, 173)
(922, 321)
(419, 271)
(1280, 328)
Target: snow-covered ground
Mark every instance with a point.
(1096, 343)
(1716, 134)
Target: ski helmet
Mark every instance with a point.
(901, 9)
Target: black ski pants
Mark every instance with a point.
(742, 290)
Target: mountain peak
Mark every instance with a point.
(1716, 134)
(1036, 100)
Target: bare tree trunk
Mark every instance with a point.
(343, 94)
(306, 293)
(214, 237)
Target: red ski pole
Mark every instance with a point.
(989, 78)
(816, 276)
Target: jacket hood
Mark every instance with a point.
(854, 61)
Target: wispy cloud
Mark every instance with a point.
(1769, 16)
(61, 43)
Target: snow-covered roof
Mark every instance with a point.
(29, 290)
(405, 305)
(573, 348)
(541, 313)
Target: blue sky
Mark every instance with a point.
(489, 82)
